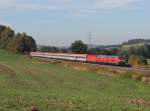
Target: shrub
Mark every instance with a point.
(137, 60)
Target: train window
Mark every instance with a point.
(81, 57)
(68, 56)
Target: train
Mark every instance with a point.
(88, 58)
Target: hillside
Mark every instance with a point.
(27, 83)
(136, 41)
(128, 44)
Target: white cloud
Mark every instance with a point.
(78, 7)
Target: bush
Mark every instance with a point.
(137, 60)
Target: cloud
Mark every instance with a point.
(78, 7)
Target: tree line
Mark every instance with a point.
(79, 47)
(134, 55)
(76, 47)
(18, 43)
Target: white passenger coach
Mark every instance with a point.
(76, 57)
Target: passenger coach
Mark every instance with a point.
(74, 57)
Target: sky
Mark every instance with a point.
(60, 22)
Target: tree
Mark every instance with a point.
(30, 44)
(143, 50)
(78, 47)
(19, 43)
(6, 34)
(25, 43)
(51, 49)
(95, 51)
(22, 43)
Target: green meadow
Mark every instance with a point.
(27, 84)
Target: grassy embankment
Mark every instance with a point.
(27, 83)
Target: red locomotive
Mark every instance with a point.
(103, 59)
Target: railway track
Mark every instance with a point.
(131, 69)
(127, 68)
(142, 70)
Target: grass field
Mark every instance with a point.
(26, 83)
